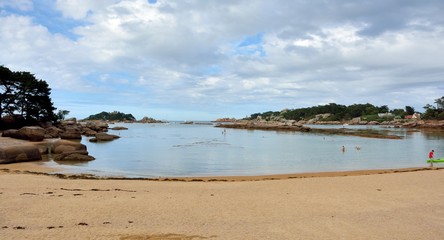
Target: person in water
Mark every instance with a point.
(431, 155)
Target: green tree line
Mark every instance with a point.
(337, 112)
(435, 112)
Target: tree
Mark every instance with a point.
(61, 114)
(383, 109)
(440, 103)
(399, 112)
(433, 112)
(23, 96)
(429, 106)
(7, 91)
(409, 110)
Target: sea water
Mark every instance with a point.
(178, 150)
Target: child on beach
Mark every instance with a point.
(431, 153)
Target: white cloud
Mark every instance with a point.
(304, 53)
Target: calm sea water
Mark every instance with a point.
(173, 150)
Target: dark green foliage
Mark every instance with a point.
(409, 110)
(264, 115)
(440, 103)
(399, 113)
(377, 118)
(435, 113)
(61, 114)
(338, 112)
(25, 98)
(112, 116)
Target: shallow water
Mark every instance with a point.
(174, 150)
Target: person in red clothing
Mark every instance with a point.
(431, 153)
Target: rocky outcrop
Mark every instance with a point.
(65, 150)
(103, 137)
(289, 125)
(221, 120)
(149, 120)
(64, 146)
(61, 149)
(88, 132)
(19, 153)
(119, 128)
(77, 156)
(12, 133)
(53, 132)
(98, 126)
(72, 129)
(34, 134)
(71, 132)
(424, 124)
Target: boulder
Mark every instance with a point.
(42, 146)
(74, 156)
(119, 128)
(88, 132)
(149, 120)
(35, 134)
(98, 126)
(100, 137)
(71, 132)
(63, 146)
(12, 133)
(19, 153)
(53, 132)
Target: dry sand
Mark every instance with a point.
(406, 205)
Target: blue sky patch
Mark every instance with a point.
(251, 45)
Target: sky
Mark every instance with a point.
(207, 59)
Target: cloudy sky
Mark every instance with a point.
(204, 59)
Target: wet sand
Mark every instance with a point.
(399, 204)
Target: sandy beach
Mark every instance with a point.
(403, 205)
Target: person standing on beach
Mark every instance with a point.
(431, 153)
